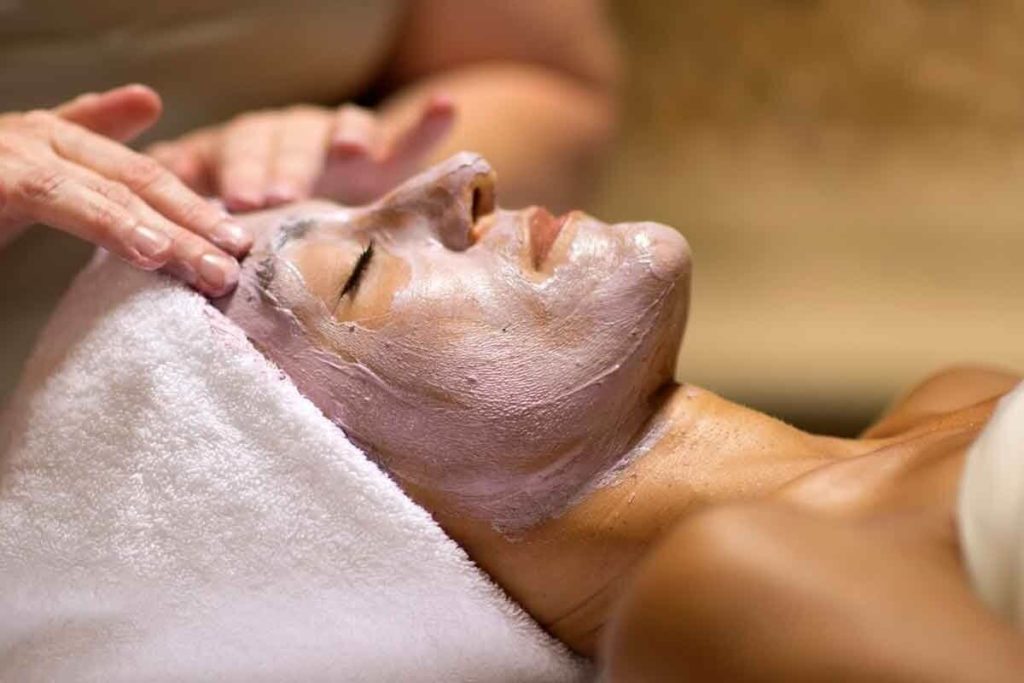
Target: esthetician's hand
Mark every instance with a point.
(66, 167)
(349, 154)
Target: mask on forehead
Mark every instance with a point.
(500, 359)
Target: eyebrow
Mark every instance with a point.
(291, 229)
(295, 228)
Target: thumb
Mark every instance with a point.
(120, 114)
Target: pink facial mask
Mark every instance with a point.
(515, 358)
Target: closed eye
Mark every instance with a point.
(357, 271)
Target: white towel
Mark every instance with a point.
(991, 510)
(172, 509)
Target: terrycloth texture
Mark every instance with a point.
(991, 510)
(172, 509)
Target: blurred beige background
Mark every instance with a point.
(850, 174)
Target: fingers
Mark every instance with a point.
(244, 164)
(299, 155)
(191, 158)
(158, 241)
(414, 144)
(57, 199)
(369, 157)
(55, 172)
(270, 158)
(120, 114)
(352, 172)
(153, 184)
(101, 212)
(356, 133)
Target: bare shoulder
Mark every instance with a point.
(947, 391)
(768, 592)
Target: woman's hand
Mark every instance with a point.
(348, 154)
(63, 167)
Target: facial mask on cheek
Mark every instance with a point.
(504, 386)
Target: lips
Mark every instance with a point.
(544, 230)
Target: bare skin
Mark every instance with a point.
(881, 593)
(651, 514)
(65, 168)
(531, 85)
(440, 334)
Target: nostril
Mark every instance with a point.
(482, 203)
(476, 212)
(453, 197)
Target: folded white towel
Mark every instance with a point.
(172, 509)
(991, 510)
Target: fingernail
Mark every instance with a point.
(218, 273)
(348, 147)
(150, 243)
(441, 102)
(232, 237)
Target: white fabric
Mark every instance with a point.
(172, 509)
(991, 510)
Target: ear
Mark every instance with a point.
(120, 114)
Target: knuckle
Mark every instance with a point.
(198, 214)
(119, 193)
(107, 220)
(40, 119)
(38, 186)
(143, 172)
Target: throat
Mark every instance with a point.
(697, 450)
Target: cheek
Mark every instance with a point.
(499, 407)
(321, 266)
(372, 305)
(475, 337)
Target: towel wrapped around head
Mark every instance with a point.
(171, 508)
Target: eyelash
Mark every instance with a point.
(357, 271)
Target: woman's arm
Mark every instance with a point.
(530, 85)
(534, 85)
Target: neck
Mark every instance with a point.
(568, 570)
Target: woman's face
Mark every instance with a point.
(502, 360)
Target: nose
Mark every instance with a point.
(452, 196)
